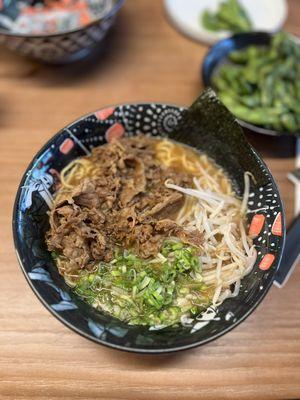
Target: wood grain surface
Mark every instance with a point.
(144, 59)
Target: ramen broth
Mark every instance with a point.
(150, 231)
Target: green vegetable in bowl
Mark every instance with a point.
(230, 16)
(261, 85)
(148, 292)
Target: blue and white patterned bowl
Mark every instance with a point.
(30, 222)
(61, 47)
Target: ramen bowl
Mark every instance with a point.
(31, 221)
(56, 32)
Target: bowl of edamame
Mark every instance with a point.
(257, 76)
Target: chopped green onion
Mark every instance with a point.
(147, 292)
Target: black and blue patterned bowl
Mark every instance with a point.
(59, 47)
(30, 222)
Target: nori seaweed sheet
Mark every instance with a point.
(210, 127)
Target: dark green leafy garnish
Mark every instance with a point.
(209, 126)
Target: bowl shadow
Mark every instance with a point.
(98, 60)
(272, 146)
(145, 361)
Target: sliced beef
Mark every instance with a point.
(135, 182)
(145, 240)
(123, 201)
(193, 238)
(167, 207)
(86, 195)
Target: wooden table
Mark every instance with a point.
(39, 357)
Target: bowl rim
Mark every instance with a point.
(95, 21)
(93, 338)
(206, 77)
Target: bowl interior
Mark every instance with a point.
(31, 222)
(218, 55)
(22, 17)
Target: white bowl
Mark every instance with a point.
(265, 15)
